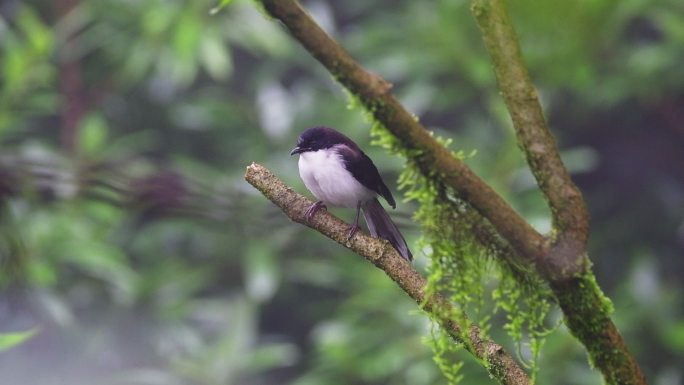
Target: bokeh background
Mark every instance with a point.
(136, 253)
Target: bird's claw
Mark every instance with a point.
(352, 230)
(309, 214)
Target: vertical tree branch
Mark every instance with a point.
(379, 252)
(71, 83)
(585, 308)
(568, 210)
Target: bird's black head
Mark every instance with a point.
(319, 138)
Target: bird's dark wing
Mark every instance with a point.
(363, 169)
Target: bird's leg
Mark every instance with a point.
(312, 210)
(355, 226)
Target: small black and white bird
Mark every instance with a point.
(339, 174)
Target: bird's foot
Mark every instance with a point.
(352, 230)
(309, 214)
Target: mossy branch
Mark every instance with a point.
(560, 259)
(566, 265)
(379, 252)
(568, 210)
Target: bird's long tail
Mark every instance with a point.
(381, 226)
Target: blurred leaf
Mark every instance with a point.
(106, 263)
(261, 271)
(186, 36)
(271, 356)
(249, 29)
(222, 4)
(56, 307)
(92, 133)
(226, 354)
(674, 336)
(216, 57)
(157, 22)
(25, 55)
(10, 340)
(38, 35)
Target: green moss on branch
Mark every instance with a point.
(587, 313)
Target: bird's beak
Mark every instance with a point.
(297, 150)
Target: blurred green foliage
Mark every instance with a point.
(143, 258)
(8, 340)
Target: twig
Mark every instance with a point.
(379, 252)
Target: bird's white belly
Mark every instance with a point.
(324, 174)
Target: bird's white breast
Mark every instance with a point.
(324, 174)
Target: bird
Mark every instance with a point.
(339, 174)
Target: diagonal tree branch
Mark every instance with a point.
(379, 252)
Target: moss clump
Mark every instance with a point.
(472, 272)
(595, 329)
